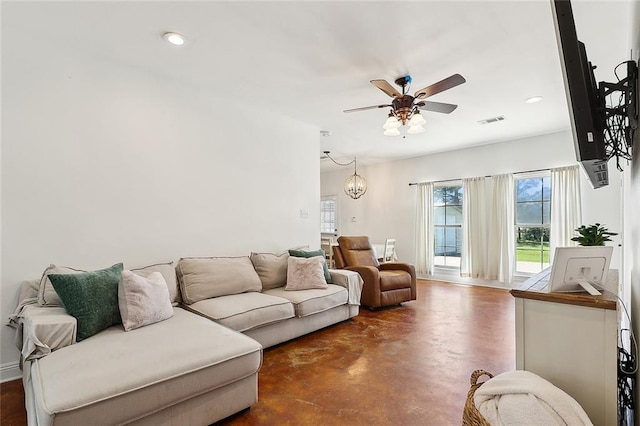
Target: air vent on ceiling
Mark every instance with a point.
(492, 119)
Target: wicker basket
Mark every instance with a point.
(471, 415)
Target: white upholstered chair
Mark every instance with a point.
(389, 254)
(325, 244)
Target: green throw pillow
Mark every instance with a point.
(302, 253)
(90, 297)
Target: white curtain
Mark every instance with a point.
(474, 228)
(501, 238)
(424, 229)
(566, 211)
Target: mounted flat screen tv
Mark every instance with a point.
(586, 108)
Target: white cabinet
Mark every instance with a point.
(570, 339)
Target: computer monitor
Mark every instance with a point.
(575, 268)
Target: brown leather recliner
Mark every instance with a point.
(384, 284)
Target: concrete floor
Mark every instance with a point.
(407, 365)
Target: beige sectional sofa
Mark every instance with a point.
(196, 367)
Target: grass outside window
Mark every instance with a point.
(532, 252)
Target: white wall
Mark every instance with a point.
(102, 164)
(631, 275)
(387, 210)
(632, 206)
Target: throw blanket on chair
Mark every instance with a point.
(523, 398)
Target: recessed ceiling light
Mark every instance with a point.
(533, 99)
(174, 38)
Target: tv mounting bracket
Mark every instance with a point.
(620, 122)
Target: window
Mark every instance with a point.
(328, 224)
(447, 222)
(532, 216)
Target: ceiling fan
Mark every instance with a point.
(405, 109)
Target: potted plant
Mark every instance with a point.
(592, 235)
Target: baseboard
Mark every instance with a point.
(455, 278)
(10, 371)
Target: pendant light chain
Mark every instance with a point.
(355, 185)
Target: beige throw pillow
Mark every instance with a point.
(143, 301)
(305, 273)
(206, 277)
(168, 272)
(271, 268)
(47, 295)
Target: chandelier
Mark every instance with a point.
(355, 185)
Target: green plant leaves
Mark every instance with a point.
(592, 235)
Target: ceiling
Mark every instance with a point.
(311, 60)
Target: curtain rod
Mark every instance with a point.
(453, 180)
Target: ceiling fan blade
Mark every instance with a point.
(440, 86)
(386, 88)
(437, 107)
(366, 108)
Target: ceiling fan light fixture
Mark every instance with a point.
(405, 109)
(414, 130)
(416, 119)
(391, 123)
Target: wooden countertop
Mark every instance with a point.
(537, 288)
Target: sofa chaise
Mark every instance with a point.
(195, 367)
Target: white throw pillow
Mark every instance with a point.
(305, 273)
(143, 301)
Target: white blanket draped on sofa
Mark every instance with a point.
(523, 398)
